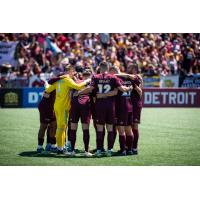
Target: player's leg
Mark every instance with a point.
(67, 141)
(61, 128)
(136, 137)
(122, 140)
(135, 127)
(99, 139)
(129, 139)
(41, 134)
(73, 129)
(48, 145)
(53, 127)
(85, 114)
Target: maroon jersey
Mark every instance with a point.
(104, 83)
(105, 107)
(80, 108)
(123, 99)
(136, 99)
(46, 108)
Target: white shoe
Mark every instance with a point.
(88, 154)
(70, 154)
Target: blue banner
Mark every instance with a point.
(31, 97)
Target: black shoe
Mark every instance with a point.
(135, 152)
(121, 153)
(129, 152)
(59, 152)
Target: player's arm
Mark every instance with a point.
(130, 76)
(109, 94)
(86, 90)
(71, 84)
(50, 88)
(138, 88)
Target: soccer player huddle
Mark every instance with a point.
(111, 98)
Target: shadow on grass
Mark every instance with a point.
(54, 155)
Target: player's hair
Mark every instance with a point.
(86, 73)
(104, 66)
(113, 68)
(69, 67)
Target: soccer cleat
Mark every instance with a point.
(69, 154)
(88, 154)
(53, 149)
(98, 153)
(109, 153)
(68, 146)
(129, 152)
(40, 150)
(48, 147)
(135, 152)
(121, 153)
(59, 152)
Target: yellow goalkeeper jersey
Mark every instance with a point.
(62, 88)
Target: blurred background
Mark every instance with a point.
(27, 59)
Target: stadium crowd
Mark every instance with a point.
(155, 54)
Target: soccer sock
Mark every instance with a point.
(73, 138)
(114, 135)
(60, 136)
(86, 139)
(110, 140)
(135, 139)
(122, 142)
(104, 133)
(53, 140)
(99, 140)
(129, 140)
(40, 141)
(48, 135)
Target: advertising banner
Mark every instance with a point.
(32, 96)
(179, 97)
(151, 81)
(169, 81)
(191, 81)
(11, 98)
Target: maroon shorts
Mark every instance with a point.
(104, 113)
(136, 114)
(124, 119)
(46, 116)
(82, 112)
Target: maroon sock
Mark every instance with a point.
(68, 131)
(86, 139)
(114, 135)
(122, 142)
(99, 140)
(135, 139)
(48, 135)
(110, 140)
(104, 133)
(73, 138)
(129, 140)
(40, 141)
(53, 140)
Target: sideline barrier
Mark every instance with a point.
(152, 97)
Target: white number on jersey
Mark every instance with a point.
(104, 88)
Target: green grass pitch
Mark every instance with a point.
(168, 137)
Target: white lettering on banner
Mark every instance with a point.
(147, 97)
(164, 95)
(180, 98)
(172, 98)
(192, 94)
(33, 97)
(163, 98)
(155, 98)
